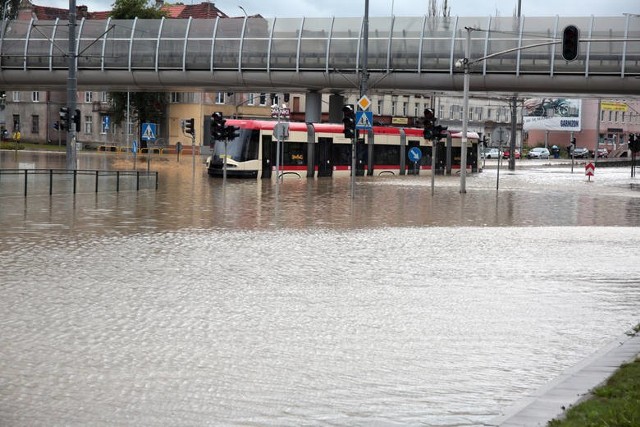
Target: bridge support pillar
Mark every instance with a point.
(313, 107)
(336, 102)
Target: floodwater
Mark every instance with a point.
(249, 304)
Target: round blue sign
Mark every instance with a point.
(415, 154)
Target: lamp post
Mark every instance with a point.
(465, 112)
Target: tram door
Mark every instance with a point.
(323, 156)
(268, 156)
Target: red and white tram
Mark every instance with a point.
(321, 150)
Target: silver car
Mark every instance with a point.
(538, 153)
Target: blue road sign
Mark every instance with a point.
(105, 122)
(414, 154)
(148, 131)
(364, 119)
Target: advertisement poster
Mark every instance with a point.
(552, 114)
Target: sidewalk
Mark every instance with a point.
(572, 387)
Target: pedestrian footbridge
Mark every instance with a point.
(412, 54)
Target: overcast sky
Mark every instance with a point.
(338, 8)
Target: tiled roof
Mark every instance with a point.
(204, 10)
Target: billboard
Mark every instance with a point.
(552, 114)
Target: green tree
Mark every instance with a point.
(144, 106)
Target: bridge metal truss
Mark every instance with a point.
(405, 54)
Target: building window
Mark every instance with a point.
(16, 96)
(416, 109)
(489, 113)
(35, 96)
(16, 122)
(251, 99)
(440, 110)
(35, 125)
(88, 125)
(88, 97)
(380, 107)
(263, 98)
(220, 98)
(405, 109)
(104, 96)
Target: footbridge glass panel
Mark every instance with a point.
(409, 49)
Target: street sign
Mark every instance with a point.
(500, 135)
(414, 154)
(589, 169)
(364, 103)
(364, 119)
(281, 130)
(105, 122)
(283, 112)
(148, 131)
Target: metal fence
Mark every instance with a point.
(61, 181)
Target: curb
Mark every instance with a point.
(572, 387)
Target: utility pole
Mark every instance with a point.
(72, 86)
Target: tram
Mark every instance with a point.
(321, 150)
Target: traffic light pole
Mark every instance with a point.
(465, 114)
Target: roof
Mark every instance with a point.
(204, 10)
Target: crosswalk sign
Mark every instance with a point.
(148, 131)
(364, 119)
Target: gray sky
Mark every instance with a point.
(338, 8)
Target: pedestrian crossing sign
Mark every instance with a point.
(364, 119)
(148, 131)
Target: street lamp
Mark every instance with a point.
(464, 63)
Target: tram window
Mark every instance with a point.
(252, 145)
(295, 154)
(386, 154)
(341, 154)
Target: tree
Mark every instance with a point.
(144, 106)
(10, 9)
(433, 8)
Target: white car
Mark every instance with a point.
(538, 153)
(491, 153)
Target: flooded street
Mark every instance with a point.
(246, 304)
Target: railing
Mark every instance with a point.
(73, 179)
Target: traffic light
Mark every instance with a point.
(573, 142)
(440, 132)
(231, 132)
(64, 118)
(76, 120)
(570, 42)
(218, 132)
(349, 121)
(189, 127)
(429, 123)
(634, 143)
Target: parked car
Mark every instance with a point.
(491, 153)
(538, 153)
(581, 153)
(506, 154)
(603, 152)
